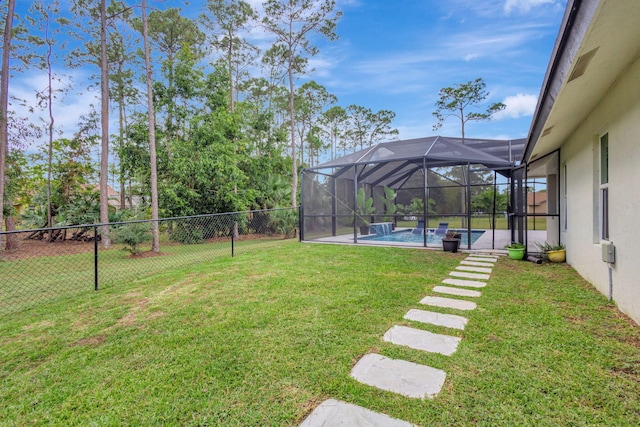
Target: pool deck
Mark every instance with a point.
(484, 242)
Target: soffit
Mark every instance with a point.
(615, 33)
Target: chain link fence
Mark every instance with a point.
(47, 264)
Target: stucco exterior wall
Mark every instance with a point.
(618, 114)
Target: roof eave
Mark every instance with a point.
(575, 23)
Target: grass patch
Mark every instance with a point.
(30, 281)
(263, 338)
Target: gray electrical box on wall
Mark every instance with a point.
(608, 252)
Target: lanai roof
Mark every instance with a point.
(392, 163)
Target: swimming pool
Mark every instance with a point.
(406, 236)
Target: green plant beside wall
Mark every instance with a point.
(365, 209)
(553, 253)
(390, 207)
(516, 250)
(365, 206)
(546, 247)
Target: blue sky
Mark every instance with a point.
(397, 54)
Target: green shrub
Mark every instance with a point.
(132, 236)
(188, 231)
(284, 221)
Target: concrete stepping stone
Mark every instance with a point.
(476, 263)
(399, 376)
(473, 269)
(469, 275)
(483, 259)
(448, 303)
(438, 319)
(334, 412)
(467, 283)
(418, 339)
(456, 291)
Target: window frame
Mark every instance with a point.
(603, 190)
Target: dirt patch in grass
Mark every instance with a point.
(308, 406)
(155, 314)
(95, 340)
(129, 319)
(41, 248)
(623, 326)
(132, 297)
(39, 325)
(574, 319)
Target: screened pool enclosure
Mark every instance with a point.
(407, 189)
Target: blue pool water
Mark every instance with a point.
(407, 236)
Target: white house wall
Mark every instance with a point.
(618, 114)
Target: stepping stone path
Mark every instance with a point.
(469, 275)
(481, 258)
(333, 412)
(465, 283)
(407, 378)
(477, 263)
(449, 303)
(422, 340)
(399, 376)
(456, 291)
(438, 319)
(474, 269)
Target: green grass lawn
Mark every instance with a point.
(263, 338)
(30, 281)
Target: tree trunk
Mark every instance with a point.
(121, 143)
(155, 244)
(50, 130)
(104, 119)
(170, 105)
(12, 239)
(230, 61)
(4, 102)
(130, 195)
(123, 198)
(294, 182)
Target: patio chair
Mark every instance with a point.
(442, 229)
(419, 228)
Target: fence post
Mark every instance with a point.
(300, 223)
(95, 257)
(233, 238)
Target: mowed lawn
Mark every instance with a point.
(263, 338)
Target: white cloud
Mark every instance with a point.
(482, 42)
(401, 71)
(524, 6)
(67, 109)
(520, 105)
(321, 66)
(484, 8)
